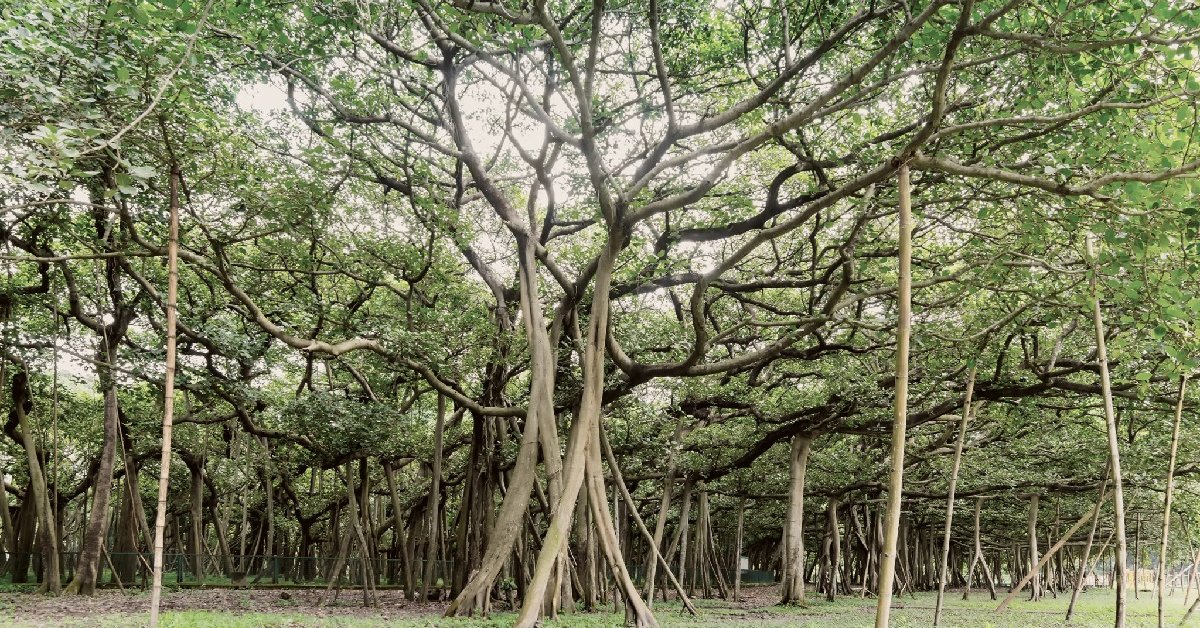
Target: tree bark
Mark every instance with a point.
(1087, 550)
(87, 568)
(620, 485)
(944, 567)
(584, 430)
(433, 508)
(887, 564)
(660, 522)
(793, 563)
(164, 475)
(46, 527)
(737, 553)
(1035, 592)
(1114, 452)
(516, 500)
(1167, 499)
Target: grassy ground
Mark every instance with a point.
(238, 609)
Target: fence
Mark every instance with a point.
(131, 569)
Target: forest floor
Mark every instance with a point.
(253, 608)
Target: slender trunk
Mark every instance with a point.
(197, 517)
(1137, 555)
(833, 548)
(398, 526)
(664, 509)
(46, 527)
(433, 509)
(737, 553)
(619, 485)
(887, 563)
(1114, 452)
(637, 614)
(1166, 526)
(958, 447)
(1087, 550)
(164, 475)
(1035, 592)
(354, 509)
(1037, 565)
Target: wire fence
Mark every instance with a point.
(127, 569)
(132, 569)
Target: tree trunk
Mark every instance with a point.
(637, 614)
(793, 563)
(398, 527)
(433, 509)
(196, 471)
(1036, 566)
(1114, 452)
(1035, 591)
(1166, 526)
(664, 509)
(619, 485)
(833, 548)
(737, 553)
(887, 563)
(47, 529)
(512, 509)
(584, 430)
(87, 568)
(169, 396)
(958, 447)
(1087, 550)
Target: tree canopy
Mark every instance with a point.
(474, 269)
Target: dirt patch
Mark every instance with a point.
(37, 610)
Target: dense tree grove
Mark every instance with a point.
(549, 305)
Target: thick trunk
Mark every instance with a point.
(508, 523)
(88, 567)
(793, 562)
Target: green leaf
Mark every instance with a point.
(142, 172)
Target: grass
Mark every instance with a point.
(1095, 608)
